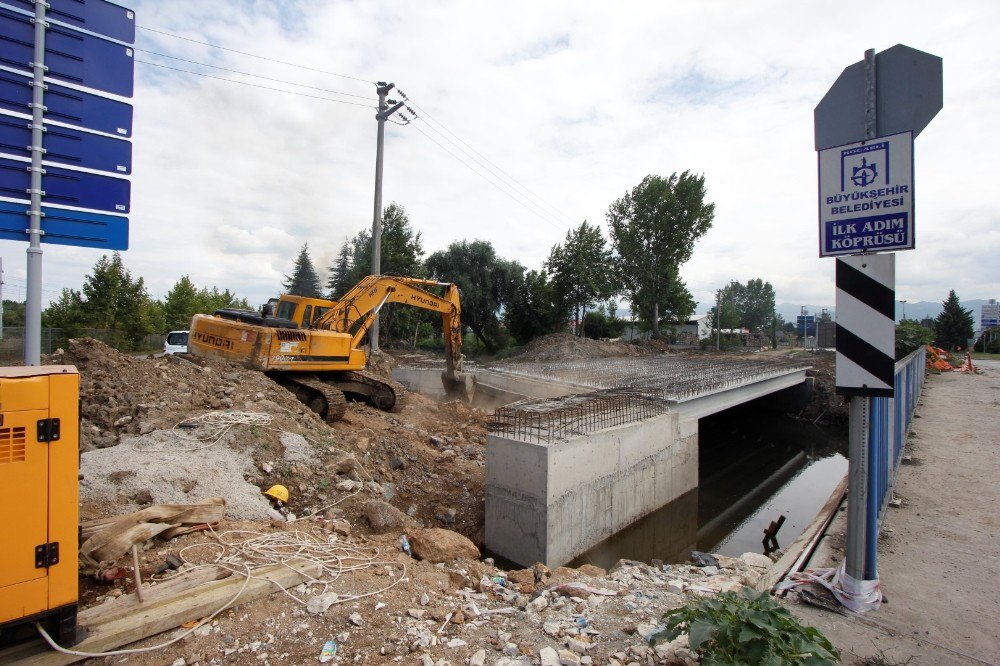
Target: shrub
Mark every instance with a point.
(748, 627)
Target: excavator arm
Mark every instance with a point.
(356, 310)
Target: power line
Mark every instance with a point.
(425, 113)
(253, 85)
(259, 76)
(254, 55)
(481, 175)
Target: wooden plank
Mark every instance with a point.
(155, 595)
(797, 554)
(135, 624)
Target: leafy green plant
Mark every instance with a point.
(747, 627)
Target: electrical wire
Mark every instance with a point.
(255, 55)
(491, 182)
(426, 114)
(259, 76)
(253, 85)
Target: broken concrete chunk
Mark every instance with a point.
(548, 656)
(321, 603)
(756, 560)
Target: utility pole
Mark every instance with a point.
(381, 116)
(1, 298)
(33, 300)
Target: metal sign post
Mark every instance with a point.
(33, 300)
(79, 42)
(864, 129)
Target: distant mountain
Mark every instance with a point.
(917, 310)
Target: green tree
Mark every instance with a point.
(954, 326)
(602, 323)
(303, 281)
(402, 248)
(66, 313)
(210, 300)
(910, 335)
(184, 300)
(756, 305)
(653, 231)
(581, 270)
(487, 283)
(339, 282)
(402, 255)
(180, 304)
(13, 313)
(114, 301)
(728, 300)
(534, 309)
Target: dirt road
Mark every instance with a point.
(939, 556)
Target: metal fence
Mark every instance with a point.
(12, 341)
(888, 427)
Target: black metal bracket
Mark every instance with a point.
(48, 430)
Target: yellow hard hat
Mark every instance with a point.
(278, 492)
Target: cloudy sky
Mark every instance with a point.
(533, 117)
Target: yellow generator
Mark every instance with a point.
(39, 467)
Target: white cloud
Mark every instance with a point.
(578, 101)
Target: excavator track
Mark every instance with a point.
(380, 392)
(322, 397)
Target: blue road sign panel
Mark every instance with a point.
(70, 55)
(806, 325)
(100, 16)
(66, 227)
(67, 105)
(66, 187)
(63, 145)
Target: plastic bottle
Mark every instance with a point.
(404, 543)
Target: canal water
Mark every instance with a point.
(754, 466)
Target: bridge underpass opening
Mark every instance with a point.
(755, 464)
(566, 473)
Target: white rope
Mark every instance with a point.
(218, 424)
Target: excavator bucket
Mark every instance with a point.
(459, 385)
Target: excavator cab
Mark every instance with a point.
(302, 310)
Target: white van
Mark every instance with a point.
(176, 343)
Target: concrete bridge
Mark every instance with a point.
(598, 444)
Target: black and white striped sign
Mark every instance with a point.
(866, 327)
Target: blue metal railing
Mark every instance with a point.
(888, 426)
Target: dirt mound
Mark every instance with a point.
(427, 459)
(122, 395)
(567, 347)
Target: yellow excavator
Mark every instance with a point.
(312, 346)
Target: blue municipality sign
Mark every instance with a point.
(100, 16)
(66, 227)
(866, 196)
(72, 147)
(806, 325)
(79, 59)
(66, 187)
(72, 56)
(67, 105)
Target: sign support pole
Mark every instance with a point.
(857, 489)
(33, 300)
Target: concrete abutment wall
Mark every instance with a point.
(550, 502)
